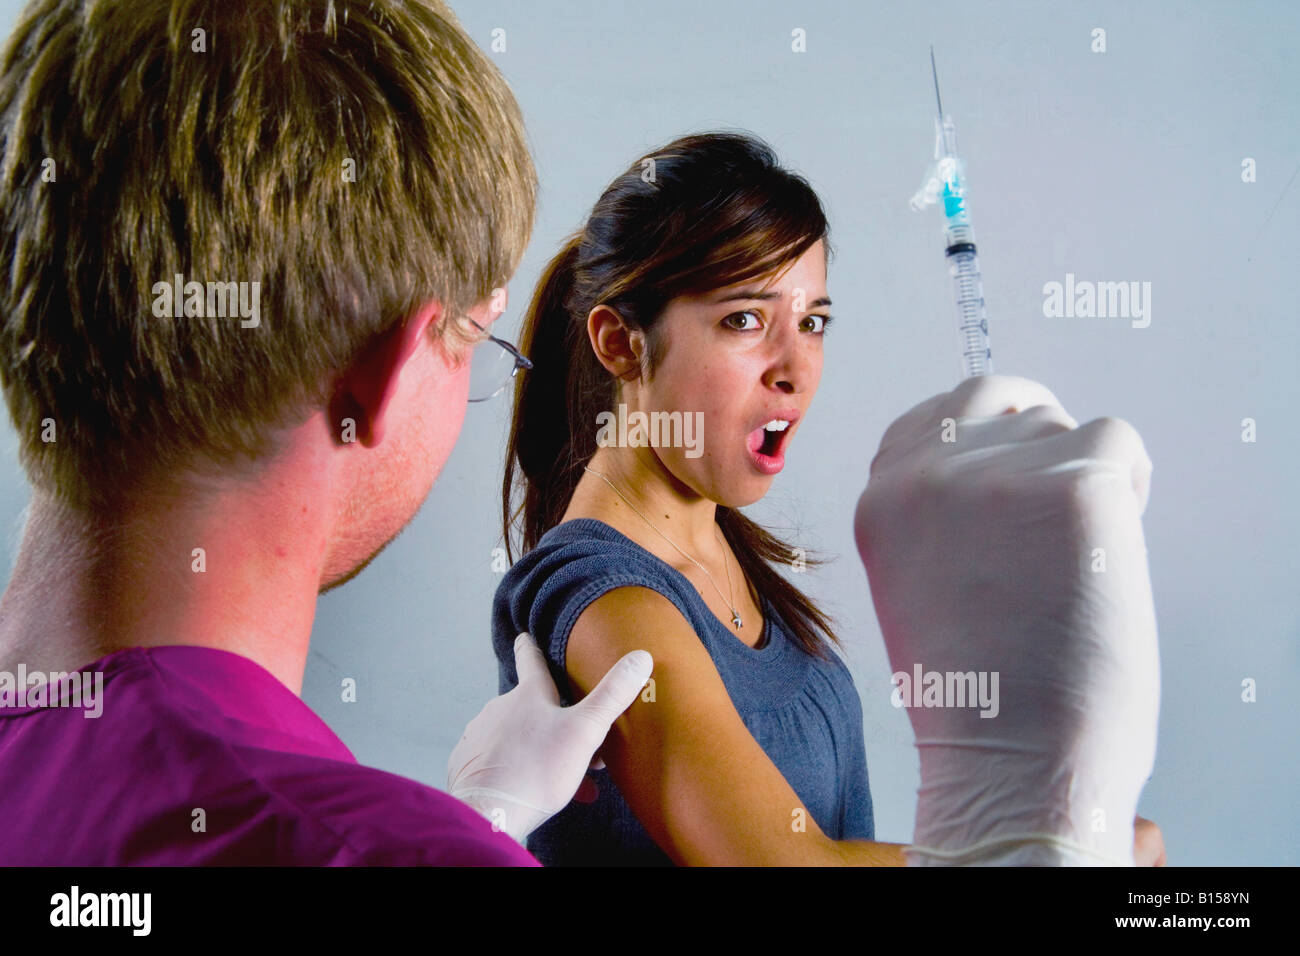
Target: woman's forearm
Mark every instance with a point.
(868, 853)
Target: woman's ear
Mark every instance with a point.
(619, 349)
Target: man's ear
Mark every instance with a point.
(617, 348)
(363, 392)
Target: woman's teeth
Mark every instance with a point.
(776, 425)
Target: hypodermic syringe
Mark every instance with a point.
(946, 180)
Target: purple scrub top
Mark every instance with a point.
(200, 756)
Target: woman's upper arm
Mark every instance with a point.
(685, 761)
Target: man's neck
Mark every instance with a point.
(233, 570)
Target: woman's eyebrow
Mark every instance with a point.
(752, 294)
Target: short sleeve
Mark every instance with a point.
(545, 594)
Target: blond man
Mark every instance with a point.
(248, 247)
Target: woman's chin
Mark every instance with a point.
(740, 494)
(738, 486)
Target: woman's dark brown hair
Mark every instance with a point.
(703, 212)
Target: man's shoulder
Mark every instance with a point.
(181, 765)
(382, 818)
(195, 800)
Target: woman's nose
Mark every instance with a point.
(791, 369)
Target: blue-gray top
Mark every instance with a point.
(803, 711)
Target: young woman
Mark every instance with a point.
(695, 296)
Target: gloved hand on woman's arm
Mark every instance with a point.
(523, 757)
(1001, 537)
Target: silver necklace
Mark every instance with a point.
(731, 602)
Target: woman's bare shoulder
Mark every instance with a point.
(626, 619)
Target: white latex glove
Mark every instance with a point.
(981, 554)
(523, 757)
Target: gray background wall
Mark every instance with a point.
(1116, 166)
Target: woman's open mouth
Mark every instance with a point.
(767, 442)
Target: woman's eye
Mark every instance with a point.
(742, 315)
(816, 323)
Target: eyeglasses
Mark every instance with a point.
(491, 370)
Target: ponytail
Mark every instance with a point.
(555, 402)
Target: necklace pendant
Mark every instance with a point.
(735, 619)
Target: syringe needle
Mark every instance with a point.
(936, 83)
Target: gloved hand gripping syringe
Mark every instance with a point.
(1001, 537)
(946, 179)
